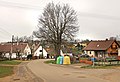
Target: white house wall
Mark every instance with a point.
(13, 55)
(27, 50)
(7, 55)
(38, 53)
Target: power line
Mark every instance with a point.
(4, 34)
(19, 5)
(5, 31)
(102, 16)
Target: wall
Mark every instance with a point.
(8, 56)
(38, 53)
(27, 50)
(119, 52)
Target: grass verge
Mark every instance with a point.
(5, 67)
(50, 62)
(6, 71)
(10, 62)
(99, 67)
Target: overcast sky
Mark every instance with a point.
(98, 19)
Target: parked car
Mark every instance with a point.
(29, 57)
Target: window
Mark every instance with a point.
(40, 50)
(90, 52)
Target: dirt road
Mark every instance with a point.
(42, 72)
(63, 73)
(22, 74)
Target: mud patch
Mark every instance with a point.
(66, 74)
(78, 72)
(16, 79)
(81, 77)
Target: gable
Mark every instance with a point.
(113, 48)
(39, 49)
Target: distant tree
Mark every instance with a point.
(23, 39)
(87, 40)
(27, 39)
(57, 23)
(78, 46)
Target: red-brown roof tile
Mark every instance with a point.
(6, 47)
(99, 45)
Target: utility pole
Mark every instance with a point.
(11, 47)
(42, 48)
(32, 47)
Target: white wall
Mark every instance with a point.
(38, 53)
(7, 55)
(27, 50)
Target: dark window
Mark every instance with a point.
(40, 50)
(90, 52)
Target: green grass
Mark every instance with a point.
(83, 58)
(99, 67)
(10, 62)
(6, 71)
(50, 62)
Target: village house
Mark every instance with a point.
(103, 48)
(39, 51)
(18, 50)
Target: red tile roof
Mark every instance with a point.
(99, 45)
(6, 47)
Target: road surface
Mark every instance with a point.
(70, 73)
(23, 74)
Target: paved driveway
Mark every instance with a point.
(63, 73)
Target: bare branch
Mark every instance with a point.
(58, 22)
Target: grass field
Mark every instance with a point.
(6, 69)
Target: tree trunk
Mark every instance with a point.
(57, 50)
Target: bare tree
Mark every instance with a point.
(57, 23)
(23, 39)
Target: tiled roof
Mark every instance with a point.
(99, 45)
(6, 47)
